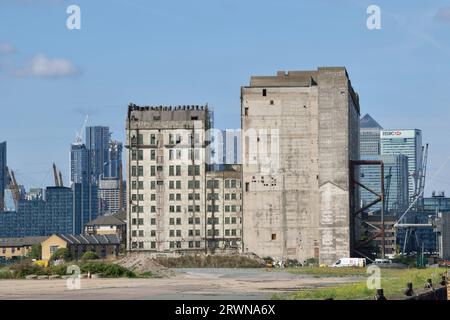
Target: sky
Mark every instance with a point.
(169, 52)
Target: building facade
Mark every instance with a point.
(85, 205)
(408, 143)
(3, 175)
(167, 159)
(110, 198)
(369, 136)
(12, 248)
(97, 143)
(104, 246)
(79, 163)
(40, 217)
(297, 199)
(396, 182)
(114, 160)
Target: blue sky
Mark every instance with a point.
(202, 51)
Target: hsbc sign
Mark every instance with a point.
(398, 133)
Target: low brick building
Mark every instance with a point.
(17, 247)
(104, 246)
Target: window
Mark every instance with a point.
(152, 221)
(212, 184)
(192, 170)
(193, 196)
(153, 171)
(246, 111)
(194, 184)
(171, 221)
(153, 233)
(178, 221)
(137, 155)
(153, 245)
(247, 186)
(274, 236)
(152, 139)
(53, 249)
(152, 154)
(264, 92)
(227, 220)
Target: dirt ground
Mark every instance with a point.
(195, 284)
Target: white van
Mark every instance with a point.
(349, 262)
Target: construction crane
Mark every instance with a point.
(14, 187)
(418, 194)
(79, 134)
(387, 190)
(58, 177)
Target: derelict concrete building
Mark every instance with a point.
(300, 130)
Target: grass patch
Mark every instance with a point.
(393, 281)
(328, 272)
(209, 262)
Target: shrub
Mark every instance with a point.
(6, 274)
(107, 270)
(89, 256)
(58, 270)
(26, 268)
(61, 254)
(35, 252)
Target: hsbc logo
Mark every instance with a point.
(392, 133)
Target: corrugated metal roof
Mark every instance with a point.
(90, 239)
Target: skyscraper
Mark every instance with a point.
(396, 182)
(408, 143)
(79, 163)
(369, 136)
(97, 143)
(85, 208)
(2, 175)
(114, 160)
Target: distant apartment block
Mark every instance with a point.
(300, 131)
(110, 199)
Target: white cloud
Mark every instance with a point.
(7, 48)
(42, 66)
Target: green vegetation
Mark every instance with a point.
(393, 281)
(209, 262)
(61, 254)
(329, 272)
(89, 256)
(107, 270)
(24, 268)
(35, 252)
